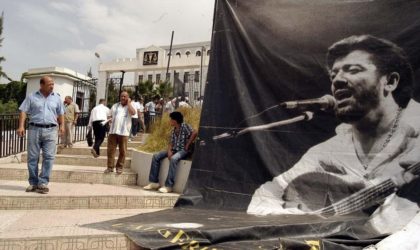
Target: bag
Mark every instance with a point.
(89, 137)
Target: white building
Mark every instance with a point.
(187, 71)
(66, 83)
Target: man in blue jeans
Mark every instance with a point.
(181, 138)
(46, 111)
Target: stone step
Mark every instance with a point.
(80, 150)
(132, 144)
(70, 174)
(81, 196)
(29, 229)
(81, 160)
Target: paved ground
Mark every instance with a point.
(51, 223)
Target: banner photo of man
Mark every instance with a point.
(309, 132)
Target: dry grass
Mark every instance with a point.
(158, 139)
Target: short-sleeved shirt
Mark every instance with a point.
(43, 110)
(136, 106)
(179, 141)
(150, 106)
(70, 112)
(121, 120)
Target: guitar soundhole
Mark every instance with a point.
(315, 190)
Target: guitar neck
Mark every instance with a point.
(365, 197)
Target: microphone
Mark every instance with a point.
(326, 102)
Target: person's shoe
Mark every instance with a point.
(93, 152)
(70, 145)
(119, 171)
(165, 190)
(42, 189)
(151, 186)
(108, 170)
(31, 188)
(129, 140)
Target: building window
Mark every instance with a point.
(196, 76)
(198, 53)
(195, 95)
(187, 53)
(176, 75)
(140, 78)
(186, 76)
(157, 78)
(168, 76)
(208, 52)
(178, 54)
(149, 78)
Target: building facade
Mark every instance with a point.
(66, 83)
(186, 68)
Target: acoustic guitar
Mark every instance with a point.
(330, 195)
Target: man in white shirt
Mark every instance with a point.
(119, 132)
(97, 121)
(135, 119)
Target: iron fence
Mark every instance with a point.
(12, 144)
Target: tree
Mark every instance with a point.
(146, 89)
(164, 89)
(2, 74)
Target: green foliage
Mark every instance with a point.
(9, 107)
(112, 93)
(146, 90)
(2, 74)
(11, 95)
(164, 89)
(158, 139)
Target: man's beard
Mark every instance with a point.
(358, 106)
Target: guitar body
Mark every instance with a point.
(316, 190)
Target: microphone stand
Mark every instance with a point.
(305, 116)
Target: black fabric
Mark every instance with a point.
(100, 132)
(264, 53)
(89, 138)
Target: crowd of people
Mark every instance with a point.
(50, 118)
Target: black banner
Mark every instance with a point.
(270, 176)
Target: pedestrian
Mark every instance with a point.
(97, 122)
(181, 139)
(46, 112)
(120, 129)
(71, 114)
(135, 119)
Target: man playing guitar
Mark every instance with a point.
(372, 82)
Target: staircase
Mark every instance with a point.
(80, 194)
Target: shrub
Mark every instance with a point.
(159, 138)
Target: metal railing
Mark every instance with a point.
(12, 144)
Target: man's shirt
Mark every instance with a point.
(70, 111)
(136, 106)
(99, 113)
(121, 120)
(150, 106)
(179, 141)
(336, 159)
(43, 110)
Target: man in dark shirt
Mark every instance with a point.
(181, 138)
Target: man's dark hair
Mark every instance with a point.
(102, 100)
(387, 56)
(177, 116)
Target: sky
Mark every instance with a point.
(67, 33)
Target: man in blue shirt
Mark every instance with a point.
(46, 112)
